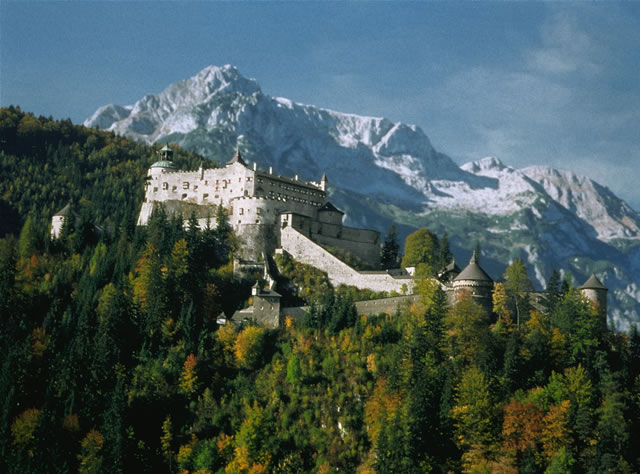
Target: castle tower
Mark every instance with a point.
(164, 164)
(596, 292)
(166, 153)
(266, 306)
(474, 280)
(57, 221)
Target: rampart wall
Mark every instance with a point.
(383, 305)
(305, 250)
(362, 243)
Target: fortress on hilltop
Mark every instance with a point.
(272, 214)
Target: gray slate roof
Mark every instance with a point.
(64, 211)
(592, 284)
(330, 207)
(473, 272)
(237, 158)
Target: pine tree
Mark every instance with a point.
(390, 249)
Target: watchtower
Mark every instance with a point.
(475, 281)
(596, 292)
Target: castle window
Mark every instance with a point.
(185, 185)
(246, 193)
(195, 187)
(174, 188)
(217, 196)
(248, 179)
(184, 196)
(259, 211)
(241, 211)
(240, 180)
(165, 185)
(205, 197)
(155, 190)
(206, 182)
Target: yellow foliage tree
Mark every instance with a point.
(90, 458)
(39, 342)
(24, 427)
(189, 379)
(555, 432)
(248, 346)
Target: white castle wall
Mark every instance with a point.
(56, 226)
(224, 185)
(362, 243)
(305, 250)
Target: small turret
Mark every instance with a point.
(166, 153)
(596, 292)
(164, 164)
(237, 158)
(324, 182)
(474, 280)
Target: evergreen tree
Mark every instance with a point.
(390, 249)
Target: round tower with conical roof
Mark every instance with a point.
(596, 292)
(475, 281)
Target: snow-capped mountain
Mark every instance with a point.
(383, 171)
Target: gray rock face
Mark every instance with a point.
(385, 172)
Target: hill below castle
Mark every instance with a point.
(385, 172)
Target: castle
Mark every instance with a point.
(269, 212)
(272, 213)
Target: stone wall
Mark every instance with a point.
(384, 305)
(362, 243)
(305, 250)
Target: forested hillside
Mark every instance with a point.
(112, 360)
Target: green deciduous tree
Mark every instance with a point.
(518, 286)
(421, 247)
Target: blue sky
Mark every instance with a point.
(533, 83)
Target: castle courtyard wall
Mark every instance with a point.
(305, 250)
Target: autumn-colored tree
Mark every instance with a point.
(556, 433)
(24, 427)
(248, 346)
(473, 412)
(166, 439)
(500, 306)
(467, 325)
(188, 378)
(39, 342)
(90, 456)
(521, 426)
